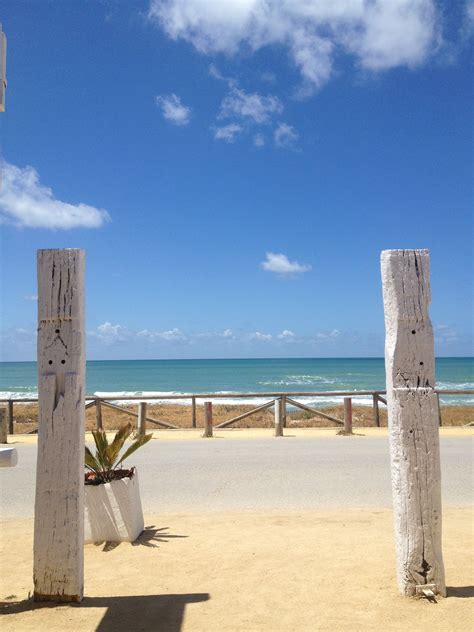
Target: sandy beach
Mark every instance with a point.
(252, 571)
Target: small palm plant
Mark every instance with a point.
(104, 465)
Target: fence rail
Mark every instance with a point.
(279, 400)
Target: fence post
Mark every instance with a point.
(440, 420)
(3, 426)
(141, 425)
(413, 421)
(58, 567)
(347, 415)
(278, 417)
(11, 429)
(283, 411)
(98, 415)
(375, 405)
(207, 420)
(193, 412)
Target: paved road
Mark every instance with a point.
(248, 474)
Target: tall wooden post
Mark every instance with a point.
(141, 418)
(348, 415)
(207, 420)
(283, 411)
(59, 506)
(278, 418)
(413, 421)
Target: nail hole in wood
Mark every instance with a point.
(63, 361)
(413, 331)
(421, 363)
(57, 331)
(50, 362)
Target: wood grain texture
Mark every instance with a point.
(208, 431)
(59, 504)
(413, 420)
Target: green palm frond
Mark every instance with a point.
(91, 462)
(141, 440)
(113, 450)
(107, 456)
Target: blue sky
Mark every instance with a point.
(233, 170)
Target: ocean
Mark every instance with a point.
(173, 377)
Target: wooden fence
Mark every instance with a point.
(278, 400)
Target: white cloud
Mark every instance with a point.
(30, 297)
(468, 19)
(259, 140)
(254, 106)
(25, 202)
(227, 133)
(257, 335)
(328, 336)
(173, 110)
(287, 335)
(171, 335)
(379, 34)
(285, 136)
(110, 334)
(280, 264)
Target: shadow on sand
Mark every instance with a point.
(461, 592)
(151, 536)
(141, 613)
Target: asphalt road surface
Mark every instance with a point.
(258, 474)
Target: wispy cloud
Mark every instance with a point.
(256, 107)
(25, 202)
(169, 335)
(378, 35)
(259, 140)
(285, 136)
(227, 133)
(260, 337)
(30, 297)
(287, 335)
(281, 265)
(173, 110)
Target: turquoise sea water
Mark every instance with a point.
(18, 379)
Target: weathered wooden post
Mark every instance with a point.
(98, 415)
(278, 418)
(193, 412)
(3, 426)
(347, 415)
(207, 420)
(283, 411)
(10, 417)
(413, 421)
(141, 418)
(375, 406)
(59, 507)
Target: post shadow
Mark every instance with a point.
(141, 613)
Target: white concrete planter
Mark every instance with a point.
(113, 511)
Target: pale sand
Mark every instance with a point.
(218, 572)
(257, 433)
